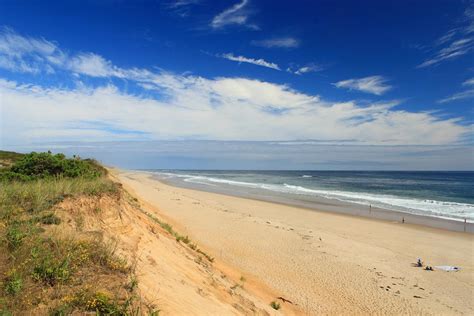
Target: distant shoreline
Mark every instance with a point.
(335, 206)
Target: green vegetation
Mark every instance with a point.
(13, 284)
(275, 305)
(50, 219)
(98, 302)
(46, 165)
(65, 271)
(179, 238)
(7, 158)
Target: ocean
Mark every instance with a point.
(436, 194)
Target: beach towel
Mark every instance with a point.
(448, 268)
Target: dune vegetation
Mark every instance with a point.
(46, 268)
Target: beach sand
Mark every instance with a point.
(324, 263)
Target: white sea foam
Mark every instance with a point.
(418, 206)
(435, 208)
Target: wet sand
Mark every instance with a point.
(329, 205)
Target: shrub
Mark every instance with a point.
(4, 312)
(42, 267)
(15, 236)
(211, 259)
(275, 305)
(13, 284)
(103, 305)
(100, 303)
(184, 239)
(52, 270)
(42, 165)
(50, 219)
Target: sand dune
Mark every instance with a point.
(172, 277)
(325, 263)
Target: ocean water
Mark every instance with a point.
(438, 194)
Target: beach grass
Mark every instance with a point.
(46, 272)
(179, 238)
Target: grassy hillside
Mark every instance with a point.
(7, 158)
(71, 239)
(47, 266)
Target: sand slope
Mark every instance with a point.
(325, 263)
(171, 276)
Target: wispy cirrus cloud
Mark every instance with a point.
(466, 94)
(455, 42)
(91, 64)
(311, 67)
(181, 3)
(241, 59)
(455, 49)
(374, 84)
(468, 82)
(279, 42)
(238, 14)
(34, 55)
(195, 107)
(181, 7)
(26, 54)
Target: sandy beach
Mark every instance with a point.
(324, 263)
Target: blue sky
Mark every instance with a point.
(348, 74)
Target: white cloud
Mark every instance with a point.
(181, 3)
(26, 54)
(306, 69)
(92, 65)
(468, 82)
(194, 107)
(238, 14)
(373, 84)
(280, 42)
(242, 59)
(260, 94)
(200, 108)
(13, 44)
(455, 42)
(466, 94)
(31, 55)
(263, 155)
(455, 49)
(181, 7)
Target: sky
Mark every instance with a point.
(241, 84)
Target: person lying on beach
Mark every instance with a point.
(419, 263)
